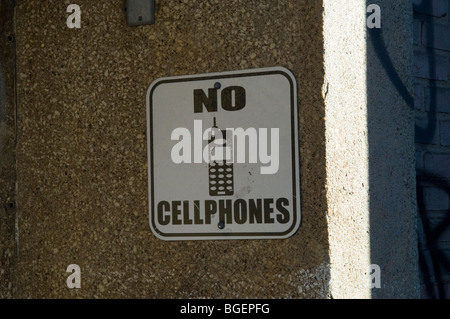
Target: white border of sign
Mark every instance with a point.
(221, 235)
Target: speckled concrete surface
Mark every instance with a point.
(347, 148)
(392, 175)
(82, 163)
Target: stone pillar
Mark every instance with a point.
(369, 129)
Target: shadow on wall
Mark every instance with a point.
(391, 148)
(431, 266)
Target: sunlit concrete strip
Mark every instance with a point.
(369, 155)
(344, 93)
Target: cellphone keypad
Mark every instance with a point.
(221, 179)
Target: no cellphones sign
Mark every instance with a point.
(223, 151)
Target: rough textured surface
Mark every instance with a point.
(370, 150)
(393, 205)
(82, 164)
(347, 148)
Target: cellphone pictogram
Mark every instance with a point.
(220, 171)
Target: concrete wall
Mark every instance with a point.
(393, 206)
(82, 161)
(370, 150)
(345, 98)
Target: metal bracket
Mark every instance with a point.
(140, 12)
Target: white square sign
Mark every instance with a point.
(223, 151)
